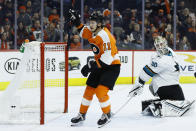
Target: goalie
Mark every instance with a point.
(164, 71)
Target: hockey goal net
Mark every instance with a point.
(39, 90)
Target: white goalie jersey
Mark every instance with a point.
(164, 70)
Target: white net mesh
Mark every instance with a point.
(20, 102)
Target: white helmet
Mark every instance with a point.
(161, 46)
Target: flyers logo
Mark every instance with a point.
(191, 58)
(95, 49)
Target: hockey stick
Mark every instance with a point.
(121, 107)
(116, 112)
(131, 95)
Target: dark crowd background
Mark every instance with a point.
(125, 22)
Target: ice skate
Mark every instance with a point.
(78, 119)
(105, 118)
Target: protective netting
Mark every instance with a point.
(20, 102)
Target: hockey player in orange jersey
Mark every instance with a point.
(103, 71)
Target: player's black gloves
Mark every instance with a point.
(85, 70)
(89, 67)
(74, 17)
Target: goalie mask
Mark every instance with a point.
(161, 46)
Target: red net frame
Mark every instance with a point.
(42, 77)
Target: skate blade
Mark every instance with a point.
(99, 126)
(77, 124)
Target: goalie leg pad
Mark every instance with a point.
(167, 108)
(171, 108)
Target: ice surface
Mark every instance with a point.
(128, 119)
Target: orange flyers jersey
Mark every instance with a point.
(103, 45)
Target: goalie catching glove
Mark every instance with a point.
(74, 17)
(89, 67)
(137, 88)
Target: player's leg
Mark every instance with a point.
(172, 92)
(173, 101)
(107, 81)
(86, 101)
(92, 83)
(103, 97)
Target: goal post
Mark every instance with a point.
(43, 48)
(39, 89)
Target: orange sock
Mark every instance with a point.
(102, 94)
(87, 98)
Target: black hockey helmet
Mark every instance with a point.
(96, 16)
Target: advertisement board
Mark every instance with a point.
(131, 64)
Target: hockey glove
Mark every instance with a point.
(74, 17)
(92, 65)
(85, 70)
(89, 67)
(137, 89)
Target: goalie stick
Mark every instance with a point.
(133, 94)
(122, 106)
